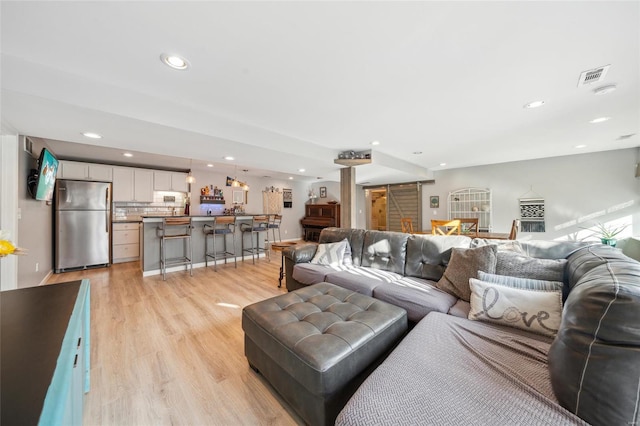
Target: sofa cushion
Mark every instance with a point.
(460, 309)
(428, 255)
(595, 359)
(354, 236)
(331, 254)
(417, 296)
(465, 264)
(362, 280)
(311, 273)
(452, 371)
(538, 311)
(502, 245)
(385, 250)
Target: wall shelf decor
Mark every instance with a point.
(471, 203)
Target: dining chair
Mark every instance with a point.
(406, 225)
(445, 227)
(515, 226)
(469, 225)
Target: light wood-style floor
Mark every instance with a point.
(172, 352)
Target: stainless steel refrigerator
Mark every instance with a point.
(82, 224)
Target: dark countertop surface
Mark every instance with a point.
(34, 323)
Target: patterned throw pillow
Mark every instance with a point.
(520, 265)
(331, 254)
(537, 311)
(465, 264)
(523, 283)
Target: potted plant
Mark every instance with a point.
(608, 233)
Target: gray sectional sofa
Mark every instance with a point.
(451, 370)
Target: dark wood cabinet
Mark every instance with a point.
(317, 217)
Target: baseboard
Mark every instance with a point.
(46, 278)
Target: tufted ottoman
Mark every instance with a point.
(317, 344)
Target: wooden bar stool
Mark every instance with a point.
(222, 226)
(258, 224)
(175, 228)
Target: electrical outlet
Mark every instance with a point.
(285, 232)
(37, 266)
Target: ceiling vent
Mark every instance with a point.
(593, 76)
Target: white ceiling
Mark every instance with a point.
(288, 85)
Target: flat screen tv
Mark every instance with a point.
(42, 181)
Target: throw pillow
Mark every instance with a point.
(347, 260)
(523, 283)
(465, 264)
(331, 254)
(537, 311)
(520, 265)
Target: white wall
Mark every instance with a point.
(9, 205)
(578, 190)
(35, 227)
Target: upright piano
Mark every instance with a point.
(317, 217)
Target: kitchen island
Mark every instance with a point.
(150, 242)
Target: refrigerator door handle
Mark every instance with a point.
(106, 211)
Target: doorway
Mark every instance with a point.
(389, 203)
(378, 209)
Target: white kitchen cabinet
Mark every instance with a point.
(143, 185)
(126, 242)
(170, 181)
(130, 184)
(85, 171)
(100, 172)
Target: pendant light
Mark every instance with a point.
(190, 177)
(244, 185)
(235, 183)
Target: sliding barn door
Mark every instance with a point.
(404, 200)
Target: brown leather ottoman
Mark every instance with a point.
(317, 344)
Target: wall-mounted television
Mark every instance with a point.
(42, 181)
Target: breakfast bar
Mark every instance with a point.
(150, 241)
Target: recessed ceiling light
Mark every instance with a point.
(604, 89)
(581, 146)
(375, 143)
(290, 177)
(534, 104)
(417, 152)
(229, 158)
(92, 135)
(128, 154)
(443, 164)
(174, 61)
(301, 170)
(209, 165)
(599, 120)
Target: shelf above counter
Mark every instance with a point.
(349, 162)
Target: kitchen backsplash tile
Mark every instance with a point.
(159, 207)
